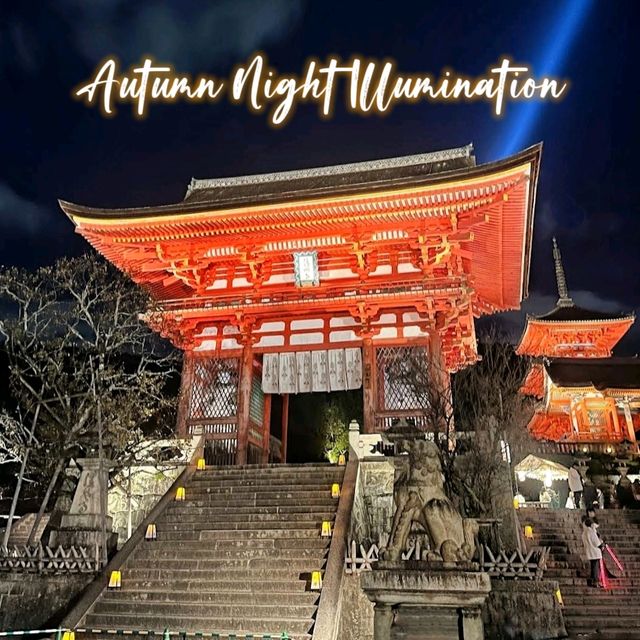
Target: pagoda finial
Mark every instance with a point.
(563, 292)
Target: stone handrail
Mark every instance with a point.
(327, 618)
(100, 583)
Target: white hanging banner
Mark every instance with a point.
(307, 371)
(288, 373)
(270, 376)
(319, 371)
(353, 358)
(337, 373)
(303, 365)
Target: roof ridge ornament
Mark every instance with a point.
(340, 169)
(564, 300)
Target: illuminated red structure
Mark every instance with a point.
(320, 279)
(586, 396)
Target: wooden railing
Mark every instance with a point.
(514, 565)
(504, 564)
(39, 559)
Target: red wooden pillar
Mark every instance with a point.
(266, 428)
(184, 398)
(285, 425)
(369, 385)
(244, 400)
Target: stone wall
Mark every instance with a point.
(523, 609)
(31, 601)
(372, 512)
(356, 611)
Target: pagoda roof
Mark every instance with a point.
(573, 313)
(426, 169)
(600, 373)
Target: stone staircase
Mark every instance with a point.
(607, 614)
(21, 529)
(234, 557)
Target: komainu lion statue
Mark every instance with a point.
(419, 497)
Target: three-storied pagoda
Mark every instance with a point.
(587, 396)
(321, 279)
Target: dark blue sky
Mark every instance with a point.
(54, 147)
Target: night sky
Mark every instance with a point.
(54, 147)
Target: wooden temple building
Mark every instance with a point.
(586, 396)
(321, 279)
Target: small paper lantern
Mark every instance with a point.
(585, 449)
(516, 502)
(115, 580)
(151, 533)
(609, 449)
(559, 598)
(326, 529)
(316, 580)
(528, 532)
(69, 635)
(201, 464)
(180, 493)
(335, 490)
(342, 460)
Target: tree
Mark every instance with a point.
(474, 420)
(80, 355)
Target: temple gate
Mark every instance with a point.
(322, 280)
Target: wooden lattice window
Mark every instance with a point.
(396, 384)
(214, 392)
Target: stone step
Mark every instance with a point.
(276, 493)
(228, 596)
(195, 521)
(250, 564)
(147, 553)
(218, 584)
(260, 501)
(239, 534)
(315, 542)
(208, 576)
(260, 479)
(233, 625)
(218, 510)
(263, 525)
(205, 610)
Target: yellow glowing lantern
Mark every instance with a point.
(609, 449)
(180, 493)
(151, 533)
(326, 529)
(342, 460)
(335, 490)
(115, 580)
(585, 449)
(201, 464)
(528, 532)
(316, 580)
(516, 502)
(69, 635)
(559, 598)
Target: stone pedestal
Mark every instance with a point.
(419, 600)
(82, 526)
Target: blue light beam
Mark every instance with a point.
(561, 36)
